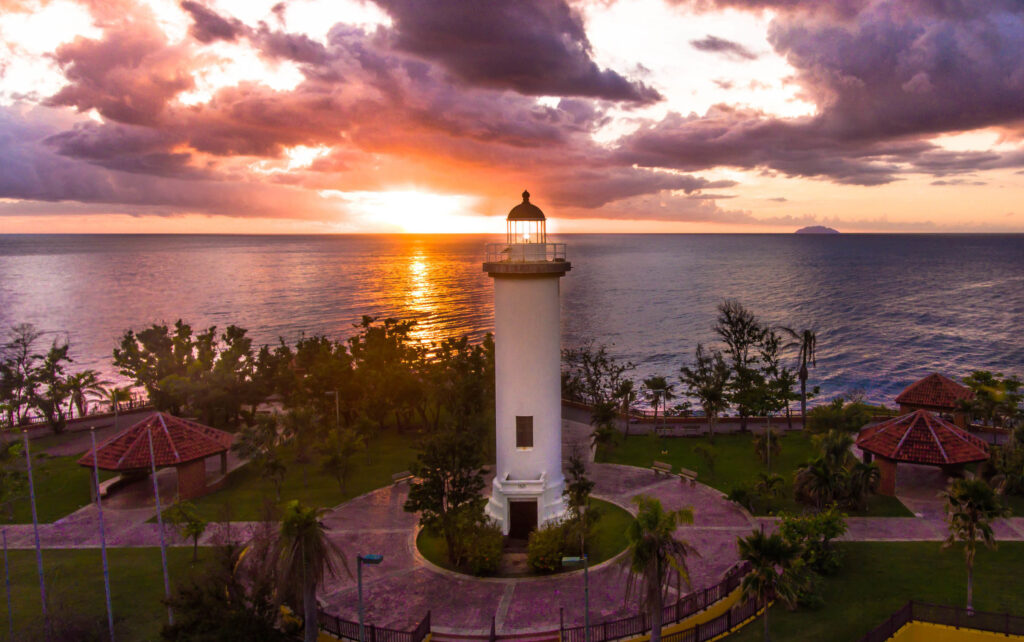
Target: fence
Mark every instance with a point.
(348, 630)
(680, 610)
(947, 615)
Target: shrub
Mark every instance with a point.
(483, 545)
(814, 534)
(546, 547)
(839, 415)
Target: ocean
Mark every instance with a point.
(888, 309)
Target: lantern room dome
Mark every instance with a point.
(526, 211)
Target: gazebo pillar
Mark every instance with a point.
(887, 484)
(192, 479)
(224, 463)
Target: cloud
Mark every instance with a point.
(727, 48)
(208, 26)
(534, 47)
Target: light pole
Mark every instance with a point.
(586, 592)
(103, 534)
(373, 558)
(337, 406)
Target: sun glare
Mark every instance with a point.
(416, 212)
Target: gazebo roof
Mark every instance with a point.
(936, 392)
(921, 437)
(175, 441)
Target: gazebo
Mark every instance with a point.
(177, 442)
(919, 437)
(938, 394)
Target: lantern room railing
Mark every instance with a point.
(524, 252)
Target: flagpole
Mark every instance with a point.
(35, 528)
(7, 582)
(103, 534)
(160, 522)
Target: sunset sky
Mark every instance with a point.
(255, 116)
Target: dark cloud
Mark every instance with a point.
(727, 48)
(534, 47)
(958, 181)
(208, 25)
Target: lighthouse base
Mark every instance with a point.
(521, 505)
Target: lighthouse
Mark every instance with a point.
(528, 481)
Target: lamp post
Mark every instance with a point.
(586, 592)
(103, 534)
(337, 406)
(373, 558)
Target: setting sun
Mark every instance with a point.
(415, 212)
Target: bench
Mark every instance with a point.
(107, 486)
(403, 476)
(691, 430)
(687, 475)
(660, 467)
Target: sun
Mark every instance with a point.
(413, 211)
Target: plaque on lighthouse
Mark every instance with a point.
(526, 268)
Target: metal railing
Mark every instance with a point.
(523, 252)
(680, 610)
(348, 630)
(946, 615)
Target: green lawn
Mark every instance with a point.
(245, 492)
(74, 583)
(1015, 503)
(878, 578)
(606, 541)
(62, 487)
(735, 464)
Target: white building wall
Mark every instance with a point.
(527, 346)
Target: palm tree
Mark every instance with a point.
(971, 505)
(806, 341)
(115, 396)
(653, 552)
(817, 482)
(626, 395)
(772, 562)
(835, 447)
(862, 480)
(658, 390)
(83, 385)
(305, 555)
(707, 380)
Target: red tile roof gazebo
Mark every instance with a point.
(936, 393)
(177, 442)
(919, 437)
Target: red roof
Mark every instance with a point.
(175, 441)
(935, 391)
(922, 438)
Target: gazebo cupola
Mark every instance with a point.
(526, 223)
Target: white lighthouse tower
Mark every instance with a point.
(528, 482)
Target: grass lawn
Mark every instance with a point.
(1016, 504)
(245, 491)
(74, 584)
(606, 541)
(735, 464)
(62, 487)
(879, 577)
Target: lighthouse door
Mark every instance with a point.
(522, 517)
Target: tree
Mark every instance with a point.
(997, 399)
(602, 418)
(838, 415)
(769, 485)
(766, 444)
(706, 380)
(261, 443)
(229, 599)
(17, 367)
(814, 533)
(590, 374)
(189, 522)
(336, 451)
(450, 482)
(12, 480)
(306, 555)
(658, 390)
(806, 343)
(577, 497)
(302, 425)
(773, 570)
(708, 453)
(818, 483)
(115, 396)
(52, 392)
(625, 394)
(741, 332)
(83, 386)
(862, 481)
(971, 506)
(653, 552)
(835, 447)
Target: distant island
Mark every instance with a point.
(817, 229)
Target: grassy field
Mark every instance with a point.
(245, 491)
(735, 464)
(74, 583)
(62, 487)
(607, 540)
(1015, 503)
(878, 578)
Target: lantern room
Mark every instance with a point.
(525, 223)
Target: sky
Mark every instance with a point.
(344, 116)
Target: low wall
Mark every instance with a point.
(927, 632)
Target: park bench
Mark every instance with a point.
(687, 475)
(691, 430)
(403, 476)
(660, 467)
